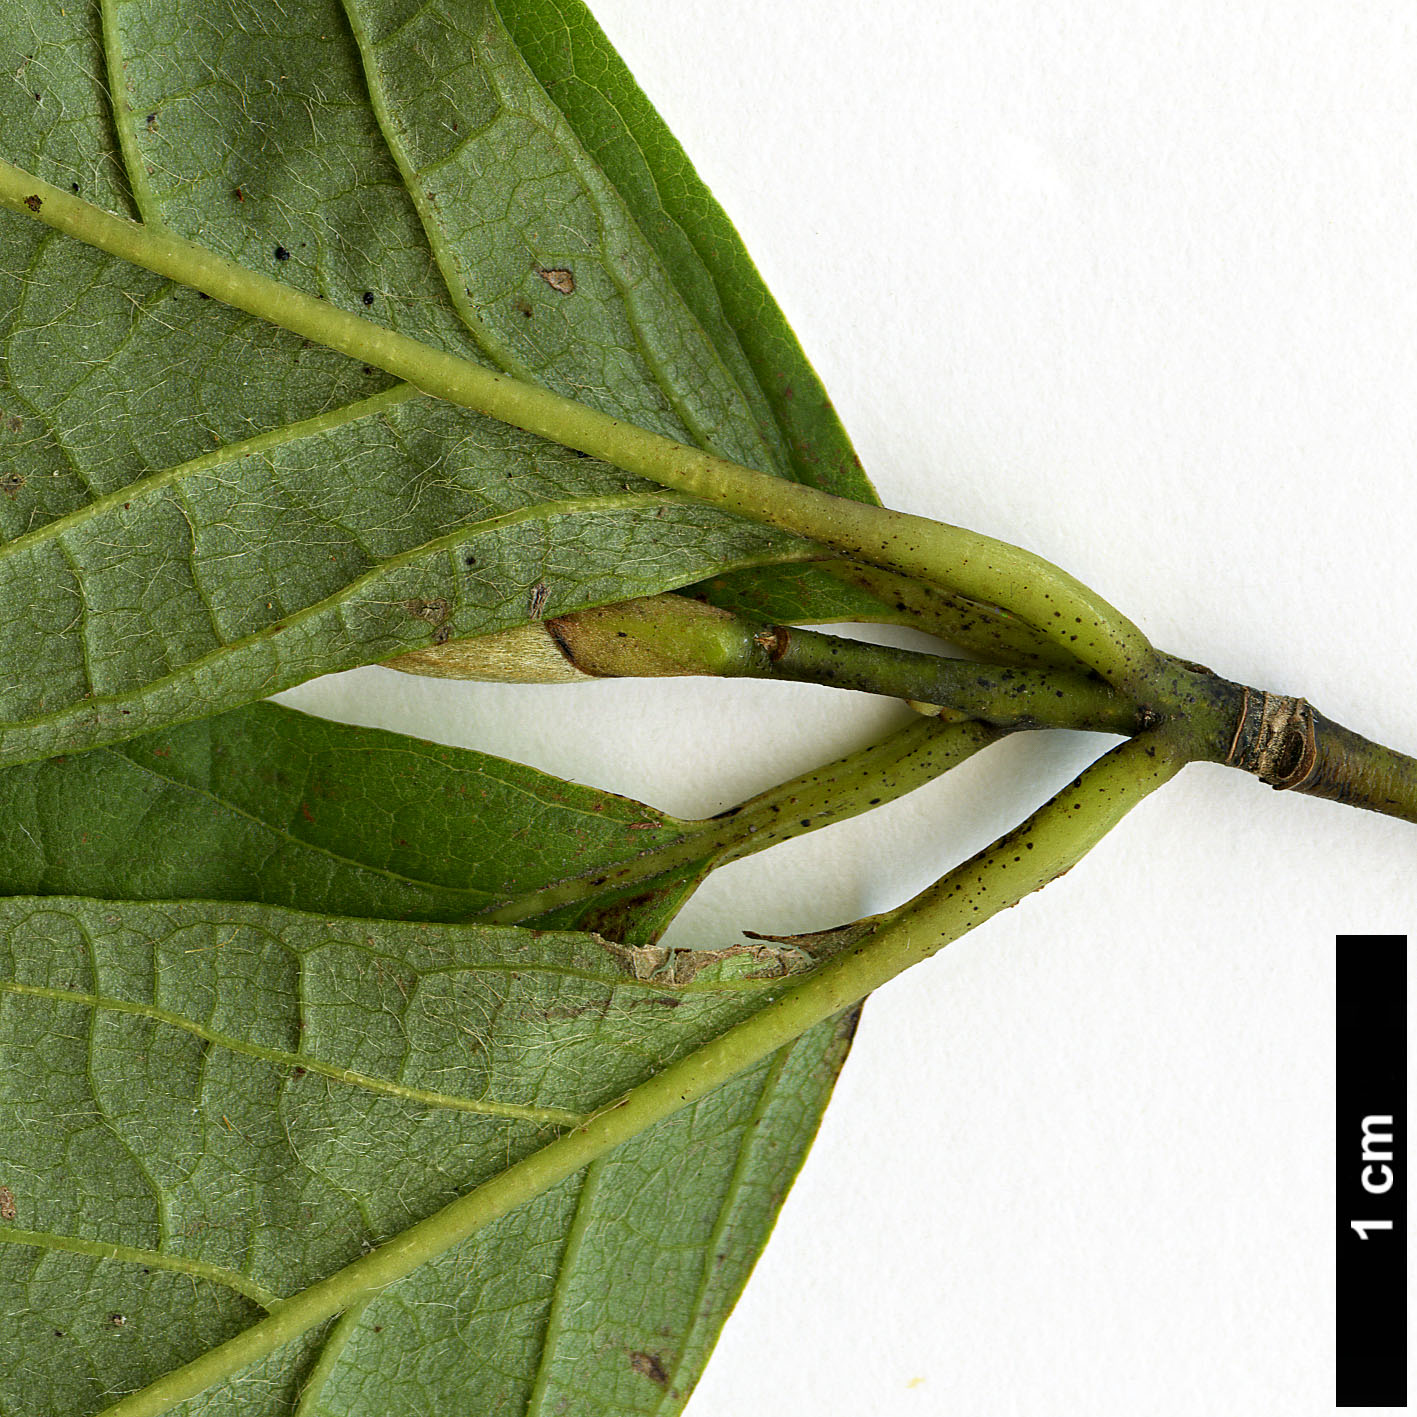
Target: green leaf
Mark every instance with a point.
(316, 1114)
(201, 509)
(271, 805)
(582, 74)
(207, 1108)
(268, 804)
(634, 1279)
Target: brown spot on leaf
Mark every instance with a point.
(7, 1204)
(12, 482)
(34, 202)
(522, 306)
(14, 423)
(649, 1366)
(560, 280)
(435, 612)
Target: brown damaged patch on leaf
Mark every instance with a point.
(12, 482)
(819, 944)
(679, 967)
(7, 1204)
(649, 1365)
(34, 202)
(435, 612)
(560, 280)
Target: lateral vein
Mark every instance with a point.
(555, 1116)
(152, 1259)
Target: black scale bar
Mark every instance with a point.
(1371, 1041)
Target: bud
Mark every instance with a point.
(652, 637)
(525, 654)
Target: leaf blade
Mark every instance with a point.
(265, 768)
(210, 958)
(269, 804)
(588, 81)
(632, 1365)
(224, 565)
(225, 183)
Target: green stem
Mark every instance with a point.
(667, 634)
(982, 631)
(1007, 698)
(848, 787)
(1045, 846)
(1282, 740)
(881, 772)
(962, 561)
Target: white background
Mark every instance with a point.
(1135, 286)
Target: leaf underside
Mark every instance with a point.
(200, 1055)
(200, 509)
(241, 1099)
(269, 804)
(291, 1050)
